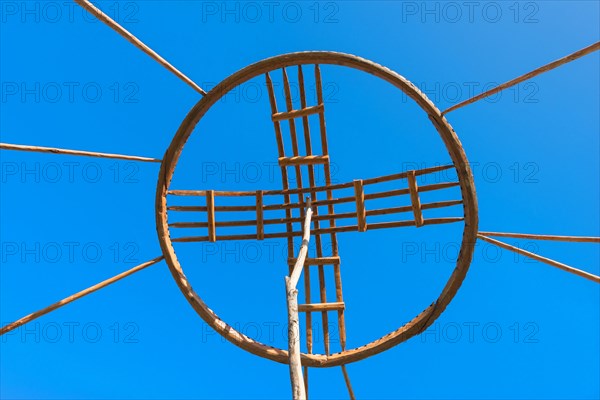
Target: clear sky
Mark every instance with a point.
(516, 329)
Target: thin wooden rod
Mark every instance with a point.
(333, 237)
(216, 192)
(348, 384)
(92, 9)
(545, 260)
(529, 75)
(315, 217)
(281, 152)
(313, 195)
(77, 296)
(558, 238)
(294, 136)
(403, 175)
(54, 150)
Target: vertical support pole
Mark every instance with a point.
(414, 198)
(260, 229)
(210, 211)
(298, 389)
(361, 212)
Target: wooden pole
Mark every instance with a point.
(298, 388)
(54, 150)
(545, 260)
(77, 296)
(95, 11)
(529, 75)
(558, 238)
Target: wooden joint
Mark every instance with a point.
(260, 229)
(414, 198)
(361, 212)
(210, 211)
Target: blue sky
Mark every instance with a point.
(516, 329)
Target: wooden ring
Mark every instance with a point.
(453, 145)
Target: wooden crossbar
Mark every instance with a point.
(303, 160)
(303, 112)
(361, 212)
(317, 261)
(334, 306)
(314, 189)
(324, 231)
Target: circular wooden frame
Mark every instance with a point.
(453, 145)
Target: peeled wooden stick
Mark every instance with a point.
(92, 9)
(76, 296)
(558, 238)
(54, 150)
(298, 388)
(529, 75)
(548, 261)
(295, 276)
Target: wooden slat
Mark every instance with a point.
(361, 212)
(303, 112)
(210, 215)
(313, 196)
(314, 189)
(281, 152)
(216, 192)
(260, 229)
(317, 261)
(414, 198)
(333, 237)
(323, 231)
(323, 217)
(303, 160)
(333, 306)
